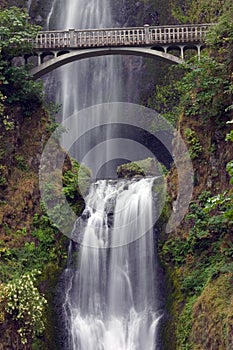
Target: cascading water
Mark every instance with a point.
(91, 81)
(111, 300)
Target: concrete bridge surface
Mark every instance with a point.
(56, 48)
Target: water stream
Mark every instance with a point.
(111, 301)
(91, 81)
(110, 297)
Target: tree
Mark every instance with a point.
(16, 35)
(15, 27)
(199, 11)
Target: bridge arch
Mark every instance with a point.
(75, 55)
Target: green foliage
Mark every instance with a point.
(76, 181)
(165, 101)
(185, 325)
(202, 89)
(210, 219)
(130, 170)
(203, 249)
(195, 148)
(15, 27)
(52, 110)
(21, 162)
(8, 125)
(200, 255)
(229, 166)
(3, 172)
(197, 89)
(43, 245)
(25, 304)
(221, 35)
(21, 88)
(16, 82)
(4, 119)
(198, 11)
(166, 97)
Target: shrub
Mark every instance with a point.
(25, 304)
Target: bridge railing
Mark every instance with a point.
(138, 36)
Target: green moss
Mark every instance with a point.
(47, 283)
(174, 302)
(184, 326)
(213, 316)
(145, 167)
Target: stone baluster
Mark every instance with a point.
(182, 34)
(137, 36)
(89, 39)
(197, 34)
(141, 36)
(110, 37)
(84, 39)
(172, 34)
(53, 40)
(49, 40)
(60, 40)
(147, 33)
(80, 35)
(169, 37)
(71, 37)
(176, 31)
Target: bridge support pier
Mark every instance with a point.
(199, 52)
(39, 59)
(182, 52)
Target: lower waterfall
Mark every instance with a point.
(111, 299)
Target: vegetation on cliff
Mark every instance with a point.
(32, 250)
(198, 255)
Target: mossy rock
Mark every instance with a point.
(140, 168)
(213, 316)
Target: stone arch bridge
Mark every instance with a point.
(53, 49)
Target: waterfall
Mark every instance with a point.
(91, 81)
(29, 5)
(111, 300)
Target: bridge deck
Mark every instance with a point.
(137, 36)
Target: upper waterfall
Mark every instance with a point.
(93, 81)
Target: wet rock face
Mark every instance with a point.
(39, 11)
(18, 3)
(131, 13)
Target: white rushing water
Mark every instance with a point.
(111, 295)
(91, 81)
(111, 299)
